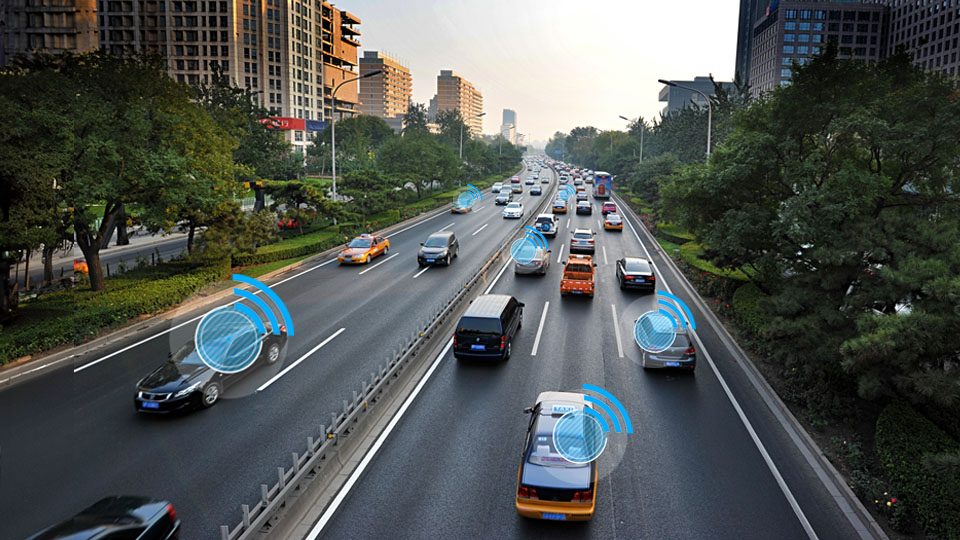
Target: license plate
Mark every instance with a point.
(150, 405)
(641, 280)
(673, 364)
(478, 347)
(431, 260)
(577, 292)
(559, 517)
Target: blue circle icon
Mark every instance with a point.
(565, 194)
(654, 331)
(227, 340)
(579, 437)
(466, 199)
(523, 250)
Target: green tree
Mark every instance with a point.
(646, 177)
(369, 191)
(301, 199)
(451, 123)
(557, 142)
(238, 232)
(415, 120)
(421, 160)
(358, 140)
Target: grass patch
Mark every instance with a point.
(674, 230)
(691, 251)
(263, 269)
(668, 246)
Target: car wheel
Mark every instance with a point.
(506, 353)
(448, 260)
(211, 394)
(386, 250)
(421, 264)
(273, 353)
(456, 253)
(621, 284)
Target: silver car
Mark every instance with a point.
(680, 354)
(538, 265)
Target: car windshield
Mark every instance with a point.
(639, 266)
(582, 236)
(436, 241)
(545, 220)
(187, 355)
(479, 326)
(542, 451)
(360, 243)
(513, 206)
(613, 217)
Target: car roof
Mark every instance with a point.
(551, 216)
(550, 397)
(583, 230)
(636, 260)
(487, 305)
(441, 234)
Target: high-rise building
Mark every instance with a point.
(678, 98)
(750, 12)
(456, 93)
(388, 94)
(432, 109)
(794, 31)
(51, 26)
(508, 128)
(930, 30)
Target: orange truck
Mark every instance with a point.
(579, 276)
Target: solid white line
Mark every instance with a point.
(746, 422)
(599, 224)
(480, 229)
(447, 227)
(420, 272)
(496, 279)
(276, 377)
(412, 226)
(481, 208)
(616, 328)
(560, 252)
(171, 329)
(568, 223)
(358, 472)
(543, 318)
(378, 264)
(604, 248)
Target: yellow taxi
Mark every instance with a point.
(548, 485)
(559, 206)
(363, 248)
(612, 222)
(460, 209)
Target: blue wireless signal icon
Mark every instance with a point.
(228, 339)
(469, 197)
(580, 436)
(566, 192)
(656, 330)
(525, 249)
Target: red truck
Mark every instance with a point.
(579, 276)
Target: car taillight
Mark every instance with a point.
(627, 277)
(503, 341)
(454, 338)
(583, 496)
(527, 493)
(283, 329)
(653, 278)
(171, 512)
(691, 350)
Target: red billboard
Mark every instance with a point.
(280, 122)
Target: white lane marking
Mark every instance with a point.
(378, 264)
(746, 422)
(172, 328)
(287, 369)
(447, 227)
(616, 328)
(368, 458)
(412, 226)
(480, 229)
(599, 224)
(604, 248)
(543, 318)
(420, 272)
(568, 223)
(496, 279)
(560, 252)
(481, 208)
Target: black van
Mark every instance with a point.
(488, 327)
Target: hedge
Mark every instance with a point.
(903, 438)
(76, 315)
(691, 251)
(746, 301)
(673, 233)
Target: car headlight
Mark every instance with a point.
(189, 390)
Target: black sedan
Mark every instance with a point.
(636, 273)
(186, 382)
(118, 517)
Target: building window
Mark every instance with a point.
(785, 72)
(861, 51)
(816, 50)
(787, 60)
(820, 14)
(846, 39)
(791, 14)
(788, 49)
(833, 27)
(789, 38)
(805, 26)
(802, 49)
(818, 38)
(806, 14)
(789, 25)
(803, 38)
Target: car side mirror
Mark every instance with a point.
(594, 264)
(549, 251)
(528, 410)
(521, 304)
(421, 243)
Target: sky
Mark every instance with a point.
(560, 64)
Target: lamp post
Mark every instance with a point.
(461, 130)
(643, 127)
(709, 107)
(333, 129)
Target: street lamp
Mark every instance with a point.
(461, 130)
(709, 107)
(643, 127)
(333, 129)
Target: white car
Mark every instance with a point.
(547, 224)
(529, 181)
(496, 187)
(513, 210)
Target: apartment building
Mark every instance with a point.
(456, 93)
(930, 30)
(52, 26)
(388, 94)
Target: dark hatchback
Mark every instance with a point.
(487, 328)
(185, 381)
(636, 273)
(120, 518)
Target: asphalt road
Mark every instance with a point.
(689, 471)
(71, 436)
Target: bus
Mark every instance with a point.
(602, 185)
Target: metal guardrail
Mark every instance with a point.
(312, 464)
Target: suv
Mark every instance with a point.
(439, 247)
(582, 241)
(503, 197)
(487, 328)
(496, 187)
(547, 224)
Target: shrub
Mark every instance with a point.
(691, 251)
(673, 233)
(746, 301)
(905, 439)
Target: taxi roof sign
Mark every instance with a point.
(562, 409)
